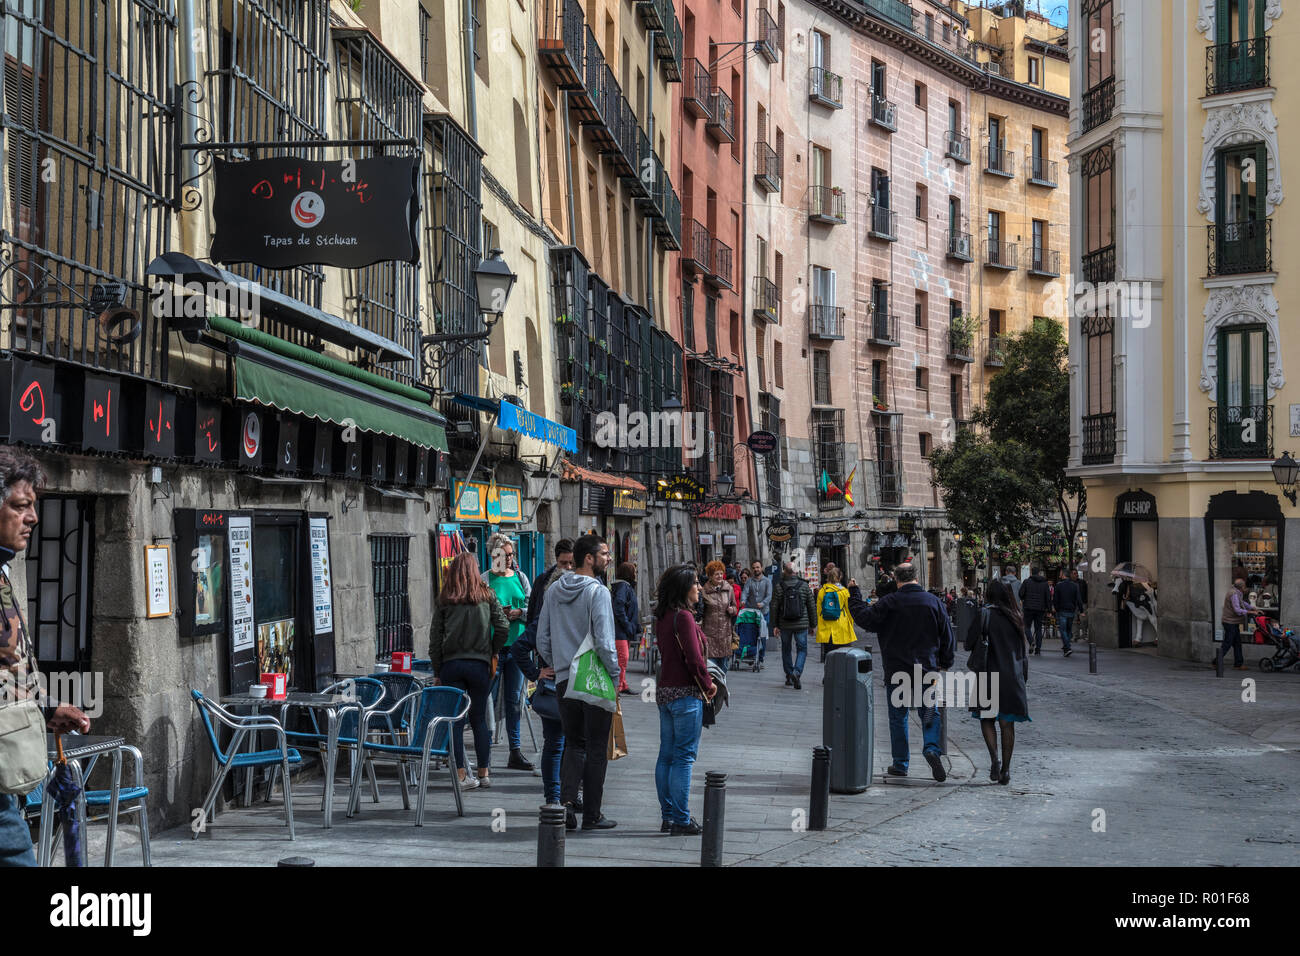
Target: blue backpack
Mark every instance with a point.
(831, 605)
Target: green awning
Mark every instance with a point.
(291, 386)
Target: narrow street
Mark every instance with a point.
(1185, 771)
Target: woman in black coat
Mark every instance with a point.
(1006, 658)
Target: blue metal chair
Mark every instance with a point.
(137, 796)
(437, 711)
(369, 694)
(223, 761)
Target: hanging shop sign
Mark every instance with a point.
(29, 388)
(479, 501)
(722, 512)
(322, 595)
(101, 419)
(681, 488)
(285, 212)
(627, 501)
(160, 422)
(830, 539)
(207, 431)
(1136, 506)
(780, 531)
(594, 499)
(907, 524)
(761, 442)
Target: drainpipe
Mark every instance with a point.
(568, 164)
(650, 135)
(189, 72)
(471, 94)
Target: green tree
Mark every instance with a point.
(990, 488)
(1029, 401)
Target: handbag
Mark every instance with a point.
(710, 718)
(24, 759)
(544, 700)
(979, 656)
(617, 737)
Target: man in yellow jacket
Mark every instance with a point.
(834, 626)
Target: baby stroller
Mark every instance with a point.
(749, 628)
(1288, 647)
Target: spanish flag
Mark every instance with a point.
(848, 487)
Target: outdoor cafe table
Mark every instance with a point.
(333, 706)
(76, 748)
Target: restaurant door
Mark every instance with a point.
(282, 602)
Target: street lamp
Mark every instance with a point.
(725, 484)
(493, 280)
(1285, 471)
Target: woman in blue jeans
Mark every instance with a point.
(469, 629)
(683, 691)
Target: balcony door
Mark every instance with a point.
(1040, 243)
(1243, 396)
(995, 237)
(1238, 20)
(1242, 180)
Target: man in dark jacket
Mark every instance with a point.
(1035, 601)
(1066, 602)
(794, 615)
(563, 562)
(913, 629)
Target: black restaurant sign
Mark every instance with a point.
(285, 212)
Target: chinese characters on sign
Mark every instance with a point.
(322, 599)
(241, 583)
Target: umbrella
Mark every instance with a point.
(1132, 572)
(64, 789)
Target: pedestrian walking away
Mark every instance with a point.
(834, 626)
(717, 612)
(20, 678)
(1235, 615)
(998, 645)
(576, 607)
(1011, 580)
(627, 619)
(1067, 604)
(1035, 600)
(913, 629)
(795, 615)
(684, 689)
(512, 590)
(468, 631)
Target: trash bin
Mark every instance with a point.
(848, 719)
(962, 613)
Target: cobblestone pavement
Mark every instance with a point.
(1184, 770)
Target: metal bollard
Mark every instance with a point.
(1092, 658)
(715, 807)
(297, 861)
(821, 789)
(1218, 660)
(550, 835)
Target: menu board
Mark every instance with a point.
(322, 599)
(241, 583)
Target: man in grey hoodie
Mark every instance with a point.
(576, 604)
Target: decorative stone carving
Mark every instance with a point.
(1240, 305)
(1235, 124)
(1206, 17)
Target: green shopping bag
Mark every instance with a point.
(589, 682)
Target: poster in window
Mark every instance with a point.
(209, 580)
(322, 598)
(241, 583)
(275, 648)
(158, 575)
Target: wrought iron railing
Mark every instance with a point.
(1238, 247)
(883, 329)
(957, 146)
(767, 299)
(995, 351)
(889, 482)
(697, 247)
(1099, 265)
(562, 43)
(1241, 431)
(1242, 65)
(720, 274)
(722, 118)
(697, 89)
(1000, 161)
(826, 87)
(1044, 262)
(767, 45)
(826, 204)
(883, 222)
(1042, 171)
(825, 321)
(959, 345)
(884, 113)
(1098, 104)
(1000, 254)
(959, 246)
(767, 168)
(1098, 439)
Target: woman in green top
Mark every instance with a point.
(511, 588)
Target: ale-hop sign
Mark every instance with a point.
(287, 212)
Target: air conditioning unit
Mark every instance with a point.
(961, 246)
(994, 68)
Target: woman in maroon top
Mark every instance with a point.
(682, 693)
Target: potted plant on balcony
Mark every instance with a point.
(879, 404)
(562, 320)
(837, 191)
(961, 332)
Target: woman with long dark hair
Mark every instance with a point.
(998, 646)
(683, 691)
(469, 629)
(627, 619)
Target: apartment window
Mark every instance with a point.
(954, 396)
(828, 448)
(1035, 71)
(922, 204)
(780, 160)
(919, 95)
(880, 297)
(1099, 215)
(954, 215)
(760, 358)
(1098, 425)
(878, 78)
(389, 560)
(921, 307)
(922, 380)
(762, 124)
(954, 309)
(954, 116)
(425, 18)
(1100, 42)
(821, 377)
(735, 333)
(778, 277)
(777, 351)
(995, 134)
(926, 444)
(879, 386)
(880, 188)
(996, 322)
(780, 30)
